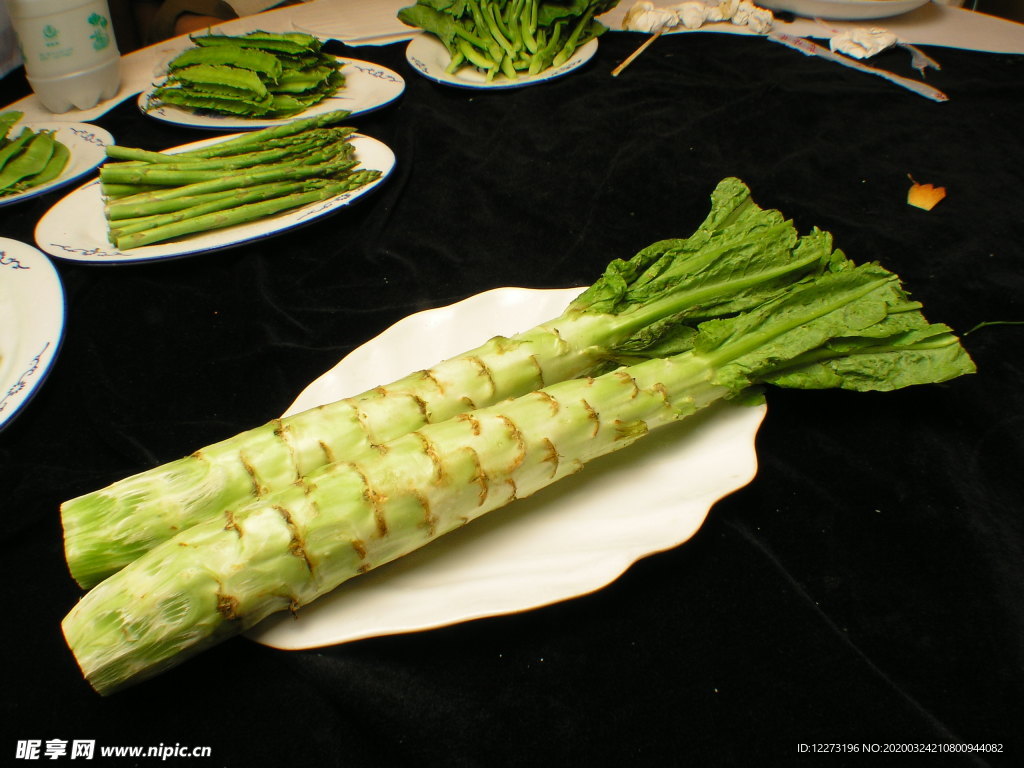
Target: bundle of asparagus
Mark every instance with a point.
(719, 313)
(259, 74)
(151, 197)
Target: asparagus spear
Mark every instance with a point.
(229, 149)
(178, 174)
(254, 139)
(134, 172)
(204, 221)
(738, 255)
(186, 207)
(138, 205)
(851, 327)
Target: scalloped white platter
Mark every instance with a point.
(428, 56)
(75, 228)
(87, 148)
(568, 540)
(368, 87)
(31, 324)
(844, 9)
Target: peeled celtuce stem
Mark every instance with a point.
(739, 255)
(850, 327)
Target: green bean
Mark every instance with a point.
(247, 58)
(243, 81)
(29, 162)
(7, 121)
(14, 147)
(54, 167)
(475, 57)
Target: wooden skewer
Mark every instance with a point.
(637, 52)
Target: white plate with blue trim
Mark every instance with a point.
(87, 148)
(428, 56)
(568, 540)
(368, 87)
(31, 324)
(75, 229)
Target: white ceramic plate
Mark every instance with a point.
(568, 540)
(75, 228)
(844, 9)
(31, 324)
(429, 57)
(368, 87)
(86, 144)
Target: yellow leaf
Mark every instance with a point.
(924, 196)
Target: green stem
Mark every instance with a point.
(227, 218)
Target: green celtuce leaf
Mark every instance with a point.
(837, 325)
(638, 308)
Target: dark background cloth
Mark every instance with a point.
(866, 587)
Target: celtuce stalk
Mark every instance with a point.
(737, 257)
(849, 327)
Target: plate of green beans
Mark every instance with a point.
(39, 157)
(365, 87)
(428, 56)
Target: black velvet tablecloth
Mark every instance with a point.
(866, 588)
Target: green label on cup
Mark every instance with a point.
(53, 46)
(100, 37)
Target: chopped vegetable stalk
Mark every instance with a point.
(738, 256)
(850, 327)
